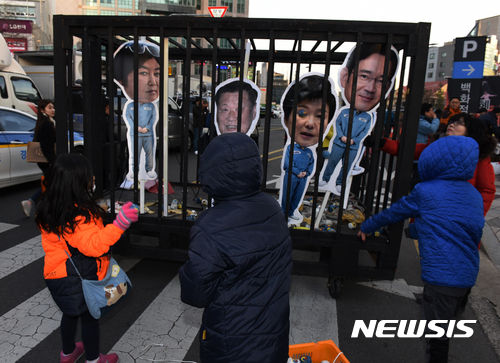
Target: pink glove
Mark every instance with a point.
(128, 214)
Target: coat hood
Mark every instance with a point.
(450, 157)
(231, 167)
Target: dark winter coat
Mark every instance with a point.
(448, 213)
(490, 120)
(47, 139)
(240, 260)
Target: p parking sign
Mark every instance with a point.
(468, 61)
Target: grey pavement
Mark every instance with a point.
(485, 296)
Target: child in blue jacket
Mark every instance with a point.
(449, 222)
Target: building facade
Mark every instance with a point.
(439, 63)
(236, 8)
(488, 26)
(27, 25)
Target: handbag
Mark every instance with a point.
(34, 153)
(101, 296)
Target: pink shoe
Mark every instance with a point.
(73, 357)
(108, 358)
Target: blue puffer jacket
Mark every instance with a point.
(240, 260)
(448, 213)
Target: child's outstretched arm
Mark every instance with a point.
(93, 240)
(404, 208)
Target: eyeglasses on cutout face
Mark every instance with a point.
(142, 47)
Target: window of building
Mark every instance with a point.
(107, 4)
(91, 2)
(198, 4)
(431, 65)
(125, 4)
(432, 55)
(430, 75)
(89, 12)
(444, 54)
(108, 12)
(240, 6)
(441, 74)
(228, 3)
(125, 13)
(212, 2)
(442, 64)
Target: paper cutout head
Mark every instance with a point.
(148, 72)
(148, 75)
(370, 75)
(226, 106)
(308, 121)
(309, 103)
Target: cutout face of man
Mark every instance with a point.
(308, 122)
(369, 85)
(227, 112)
(149, 80)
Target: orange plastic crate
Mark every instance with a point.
(320, 351)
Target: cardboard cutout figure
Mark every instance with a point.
(226, 106)
(307, 135)
(147, 102)
(367, 99)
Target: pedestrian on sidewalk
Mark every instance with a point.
(240, 259)
(459, 125)
(45, 134)
(71, 223)
(448, 238)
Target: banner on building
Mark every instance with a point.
(15, 26)
(17, 44)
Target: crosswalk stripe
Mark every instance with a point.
(167, 322)
(20, 255)
(170, 326)
(6, 226)
(25, 326)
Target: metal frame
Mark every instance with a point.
(340, 251)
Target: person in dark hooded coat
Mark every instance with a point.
(240, 259)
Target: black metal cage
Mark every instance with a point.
(296, 43)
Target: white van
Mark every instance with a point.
(17, 90)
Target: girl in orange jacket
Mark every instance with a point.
(71, 222)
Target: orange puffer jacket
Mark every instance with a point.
(88, 245)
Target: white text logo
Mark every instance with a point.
(413, 328)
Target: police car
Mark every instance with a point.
(16, 129)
